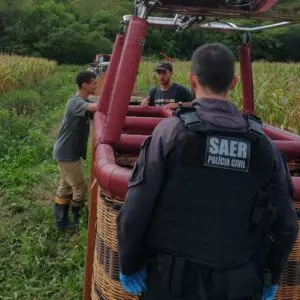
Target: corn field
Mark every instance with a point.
(18, 71)
(277, 85)
(277, 90)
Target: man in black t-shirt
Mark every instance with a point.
(167, 94)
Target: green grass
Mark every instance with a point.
(35, 261)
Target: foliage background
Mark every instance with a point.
(73, 31)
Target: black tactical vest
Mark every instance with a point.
(217, 180)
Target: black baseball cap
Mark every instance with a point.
(164, 66)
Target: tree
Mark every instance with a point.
(74, 31)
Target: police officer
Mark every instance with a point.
(209, 211)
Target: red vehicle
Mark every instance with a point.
(119, 128)
(100, 64)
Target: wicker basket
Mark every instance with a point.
(290, 279)
(126, 161)
(294, 167)
(106, 284)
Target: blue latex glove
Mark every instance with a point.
(134, 284)
(269, 292)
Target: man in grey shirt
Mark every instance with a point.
(70, 147)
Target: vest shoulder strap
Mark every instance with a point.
(255, 126)
(188, 115)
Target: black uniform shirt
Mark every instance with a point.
(149, 176)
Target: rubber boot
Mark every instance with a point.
(61, 217)
(76, 210)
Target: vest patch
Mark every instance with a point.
(227, 153)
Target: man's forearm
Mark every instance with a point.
(92, 107)
(285, 226)
(132, 224)
(279, 254)
(144, 187)
(187, 104)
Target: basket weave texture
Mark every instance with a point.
(106, 284)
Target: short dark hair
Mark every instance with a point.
(213, 64)
(84, 77)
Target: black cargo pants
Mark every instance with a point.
(173, 278)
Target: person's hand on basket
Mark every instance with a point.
(269, 292)
(171, 106)
(145, 103)
(134, 284)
